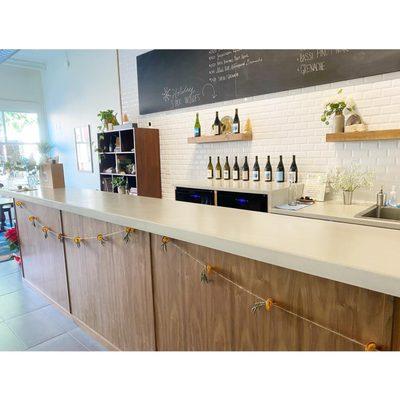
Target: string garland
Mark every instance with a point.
(263, 303)
(207, 270)
(101, 238)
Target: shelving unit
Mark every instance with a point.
(389, 134)
(139, 147)
(227, 137)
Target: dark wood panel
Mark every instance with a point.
(43, 259)
(110, 285)
(216, 316)
(147, 145)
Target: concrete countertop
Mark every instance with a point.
(359, 255)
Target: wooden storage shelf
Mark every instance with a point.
(388, 134)
(227, 137)
(114, 173)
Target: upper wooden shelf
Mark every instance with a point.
(227, 137)
(363, 136)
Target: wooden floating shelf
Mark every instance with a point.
(227, 137)
(113, 173)
(388, 134)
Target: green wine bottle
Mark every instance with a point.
(197, 127)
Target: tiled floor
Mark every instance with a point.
(29, 322)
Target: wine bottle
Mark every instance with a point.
(210, 169)
(245, 170)
(293, 172)
(236, 123)
(235, 171)
(217, 125)
(227, 169)
(218, 170)
(197, 127)
(280, 171)
(256, 170)
(268, 170)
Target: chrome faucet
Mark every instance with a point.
(381, 198)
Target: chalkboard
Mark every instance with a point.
(173, 79)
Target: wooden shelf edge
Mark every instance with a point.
(230, 137)
(389, 134)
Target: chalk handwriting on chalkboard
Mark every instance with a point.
(173, 79)
(315, 60)
(178, 97)
(208, 87)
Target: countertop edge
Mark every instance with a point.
(348, 274)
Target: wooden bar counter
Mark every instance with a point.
(340, 282)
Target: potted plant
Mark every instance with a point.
(45, 149)
(335, 107)
(119, 183)
(11, 236)
(108, 118)
(349, 179)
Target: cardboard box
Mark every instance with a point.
(52, 176)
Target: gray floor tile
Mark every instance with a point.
(9, 341)
(11, 283)
(63, 342)
(8, 267)
(21, 302)
(60, 318)
(86, 340)
(36, 327)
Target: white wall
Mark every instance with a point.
(283, 123)
(21, 90)
(73, 96)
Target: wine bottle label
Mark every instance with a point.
(292, 177)
(256, 176)
(218, 174)
(245, 175)
(235, 127)
(226, 174)
(279, 176)
(235, 175)
(196, 132)
(267, 176)
(209, 173)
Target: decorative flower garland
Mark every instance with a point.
(101, 238)
(207, 270)
(262, 303)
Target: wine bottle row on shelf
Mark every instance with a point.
(244, 172)
(219, 127)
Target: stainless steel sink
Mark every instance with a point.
(385, 213)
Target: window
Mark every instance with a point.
(19, 135)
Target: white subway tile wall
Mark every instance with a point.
(283, 123)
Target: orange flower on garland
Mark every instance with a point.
(164, 242)
(60, 237)
(32, 219)
(128, 233)
(101, 239)
(78, 241)
(45, 230)
(18, 203)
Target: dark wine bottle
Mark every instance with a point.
(268, 170)
(227, 169)
(218, 170)
(236, 170)
(280, 171)
(217, 125)
(293, 172)
(245, 170)
(236, 123)
(210, 169)
(256, 170)
(197, 127)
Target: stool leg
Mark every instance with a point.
(10, 218)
